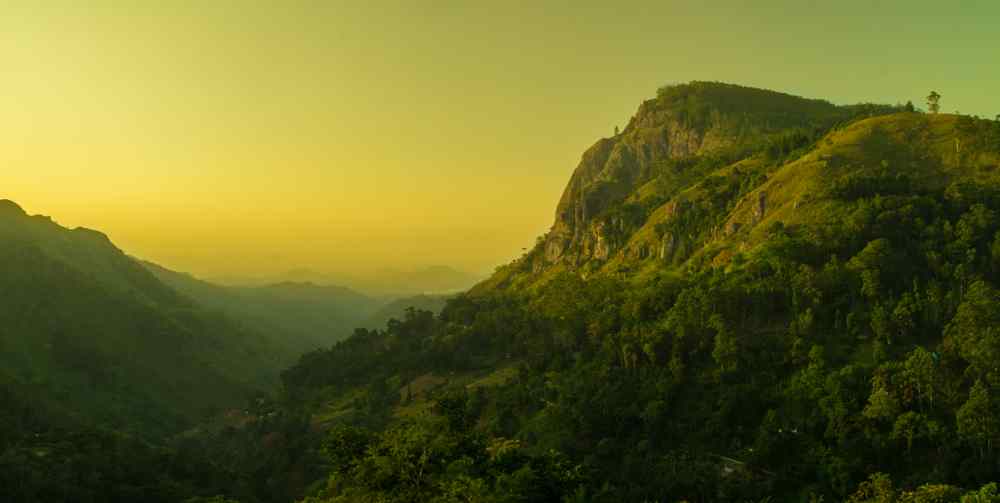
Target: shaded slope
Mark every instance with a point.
(101, 335)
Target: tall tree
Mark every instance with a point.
(933, 102)
(976, 420)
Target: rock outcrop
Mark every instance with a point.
(612, 169)
(682, 122)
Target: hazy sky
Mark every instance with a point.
(229, 138)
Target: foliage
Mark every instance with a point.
(833, 350)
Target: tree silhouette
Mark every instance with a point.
(933, 100)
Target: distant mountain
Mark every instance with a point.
(438, 279)
(301, 316)
(396, 309)
(434, 279)
(90, 328)
(385, 283)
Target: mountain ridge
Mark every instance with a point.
(302, 315)
(95, 329)
(699, 119)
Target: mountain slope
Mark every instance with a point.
(713, 121)
(782, 309)
(656, 194)
(100, 334)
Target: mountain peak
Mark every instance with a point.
(10, 208)
(670, 140)
(683, 121)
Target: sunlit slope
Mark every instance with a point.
(902, 154)
(657, 206)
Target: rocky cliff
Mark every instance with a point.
(684, 122)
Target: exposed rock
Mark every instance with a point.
(761, 207)
(554, 249)
(602, 247)
(614, 167)
(668, 246)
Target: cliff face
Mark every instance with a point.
(611, 170)
(683, 122)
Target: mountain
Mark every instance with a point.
(683, 122)
(640, 197)
(744, 296)
(438, 279)
(382, 284)
(679, 177)
(300, 316)
(91, 329)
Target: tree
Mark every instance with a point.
(933, 102)
(973, 331)
(909, 107)
(976, 422)
(726, 351)
(616, 131)
(877, 489)
(910, 426)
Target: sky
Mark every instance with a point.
(250, 138)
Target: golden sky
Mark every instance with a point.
(248, 138)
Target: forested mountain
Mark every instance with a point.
(301, 316)
(745, 296)
(85, 325)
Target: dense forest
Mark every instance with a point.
(746, 296)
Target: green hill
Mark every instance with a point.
(92, 329)
(745, 296)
